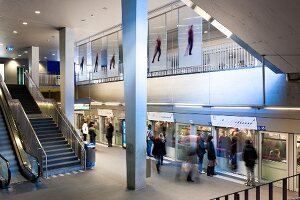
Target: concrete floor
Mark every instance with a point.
(108, 181)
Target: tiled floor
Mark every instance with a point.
(108, 181)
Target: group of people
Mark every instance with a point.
(89, 129)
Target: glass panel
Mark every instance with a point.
(190, 38)
(168, 129)
(206, 131)
(113, 55)
(3, 170)
(118, 132)
(103, 55)
(298, 153)
(157, 43)
(120, 39)
(183, 141)
(96, 55)
(274, 160)
(230, 145)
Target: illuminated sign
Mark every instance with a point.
(234, 122)
(81, 106)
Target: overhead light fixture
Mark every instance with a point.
(221, 28)
(189, 3)
(37, 12)
(83, 20)
(14, 58)
(19, 55)
(104, 8)
(53, 54)
(112, 104)
(159, 104)
(15, 32)
(202, 13)
(25, 51)
(188, 105)
(205, 32)
(283, 108)
(1, 44)
(232, 107)
(25, 23)
(45, 57)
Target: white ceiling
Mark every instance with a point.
(271, 27)
(42, 29)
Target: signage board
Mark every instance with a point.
(160, 116)
(105, 112)
(234, 122)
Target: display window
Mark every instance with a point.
(230, 143)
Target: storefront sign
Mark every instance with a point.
(105, 112)
(234, 122)
(81, 106)
(261, 128)
(161, 116)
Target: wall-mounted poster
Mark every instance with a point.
(190, 38)
(113, 55)
(82, 56)
(172, 39)
(157, 43)
(120, 39)
(96, 55)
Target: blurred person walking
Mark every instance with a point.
(92, 133)
(158, 150)
(249, 156)
(201, 152)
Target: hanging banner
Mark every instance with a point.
(105, 112)
(160, 116)
(234, 122)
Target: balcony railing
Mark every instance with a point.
(49, 79)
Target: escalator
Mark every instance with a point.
(16, 165)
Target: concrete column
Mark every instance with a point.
(66, 50)
(135, 32)
(33, 58)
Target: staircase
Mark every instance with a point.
(60, 156)
(7, 151)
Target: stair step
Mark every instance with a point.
(34, 125)
(63, 165)
(51, 139)
(58, 155)
(61, 160)
(42, 132)
(58, 151)
(56, 146)
(46, 144)
(50, 136)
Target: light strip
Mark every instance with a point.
(221, 28)
(188, 105)
(281, 108)
(159, 104)
(189, 3)
(112, 104)
(231, 107)
(202, 13)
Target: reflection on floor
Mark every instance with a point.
(108, 181)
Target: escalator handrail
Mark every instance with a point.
(13, 129)
(7, 182)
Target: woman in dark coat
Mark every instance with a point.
(211, 156)
(158, 150)
(109, 134)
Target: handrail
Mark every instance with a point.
(50, 108)
(33, 146)
(7, 181)
(270, 184)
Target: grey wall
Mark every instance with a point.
(10, 68)
(234, 87)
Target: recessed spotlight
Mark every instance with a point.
(205, 32)
(53, 54)
(1, 44)
(83, 20)
(92, 15)
(104, 8)
(25, 51)
(23, 65)
(14, 58)
(19, 55)
(37, 12)
(24, 23)
(53, 36)
(45, 57)
(15, 32)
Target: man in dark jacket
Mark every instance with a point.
(249, 156)
(109, 134)
(92, 133)
(201, 151)
(158, 150)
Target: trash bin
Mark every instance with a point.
(90, 155)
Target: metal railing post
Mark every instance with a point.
(246, 194)
(271, 191)
(284, 189)
(257, 192)
(236, 196)
(298, 185)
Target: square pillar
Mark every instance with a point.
(66, 51)
(135, 33)
(33, 58)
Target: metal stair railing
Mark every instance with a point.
(244, 194)
(5, 173)
(27, 133)
(50, 108)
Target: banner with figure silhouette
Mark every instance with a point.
(189, 38)
(157, 43)
(112, 55)
(98, 71)
(82, 62)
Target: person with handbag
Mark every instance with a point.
(211, 156)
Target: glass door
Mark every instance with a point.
(274, 163)
(20, 75)
(118, 131)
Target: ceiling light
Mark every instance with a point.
(282, 108)
(24, 23)
(37, 12)
(15, 32)
(189, 3)
(19, 55)
(53, 54)
(25, 51)
(45, 57)
(205, 32)
(202, 13)
(83, 20)
(231, 107)
(221, 28)
(188, 105)
(159, 104)
(104, 8)
(1, 44)
(14, 58)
